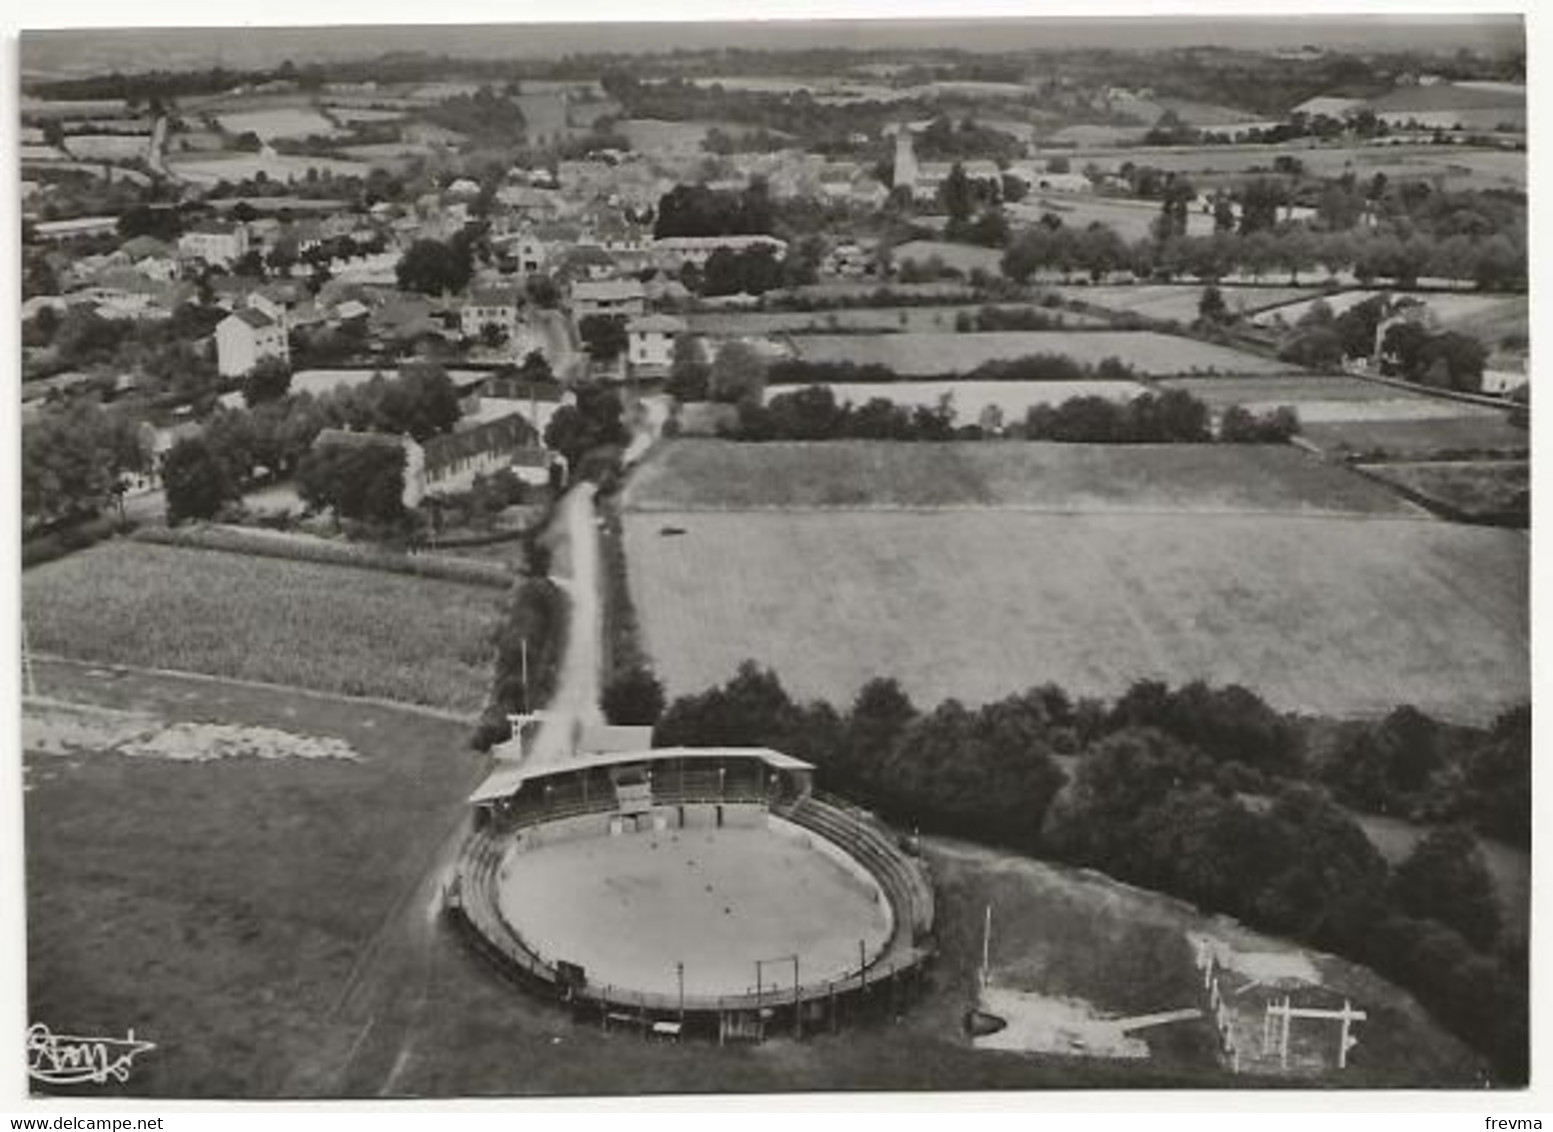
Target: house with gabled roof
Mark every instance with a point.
(245, 338)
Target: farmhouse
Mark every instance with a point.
(490, 307)
(608, 297)
(247, 337)
(650, 341)
(215, 242)
(451, 462)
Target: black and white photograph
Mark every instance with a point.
(669, 557)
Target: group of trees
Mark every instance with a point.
(436, 267)
(75, 462)
(359, 482)
(1288, 250)
(1174, 416)
(272, 439)
(489, 117)
(1408, 348)
(595, 422)
(699, 210)
(1195, 791)
(1412, 766)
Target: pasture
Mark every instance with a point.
(279, 122)
(1485, 432)
(1132, 219)
(1328, 399)
(970, 399)
(729, 475)
(208, 169)
(936, 355)
(109, 147)
(1173, 302)
(1317, 614)
(331, 628)
(1488, 488)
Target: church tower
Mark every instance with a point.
(905, 159)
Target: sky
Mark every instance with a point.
(82, 51)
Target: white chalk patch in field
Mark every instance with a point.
(55, 728)
(1038, 1024)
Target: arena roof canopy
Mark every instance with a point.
(507, 780)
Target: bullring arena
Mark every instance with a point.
(692, 890)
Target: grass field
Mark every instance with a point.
(220, 908)
(1091, 566)
(245, 166)
(971, 398)
(1132, 219)
(1463, 167)
(331, 628)
(1419, 439)
(933, 355)
(1180, 303)
(727, 475)
(1318, 615)
(1330, 399)
(1487, 487)
(1079, 936)
(279, 122)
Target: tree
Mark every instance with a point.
(198, 482)
(1211, 307)
(434, 268)
(1446, 880)
(1260, 201)
(603, 336)
(269, 380)
(956, 195)
(689, 375)
(73, 462)
(738, 374)
(634, 697)
(361, 481)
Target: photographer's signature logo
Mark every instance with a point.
(64, 1059)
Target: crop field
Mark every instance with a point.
(331, 628)
(934, 355)
(920, 320)
(1327, 400)
(208, 169)
(1180, 303)
(1420, 439)
(728, 475)
(279, 122)
(971, 398)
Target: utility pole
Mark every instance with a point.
(986, 948)
(679, 971)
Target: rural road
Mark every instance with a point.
(576, 698)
